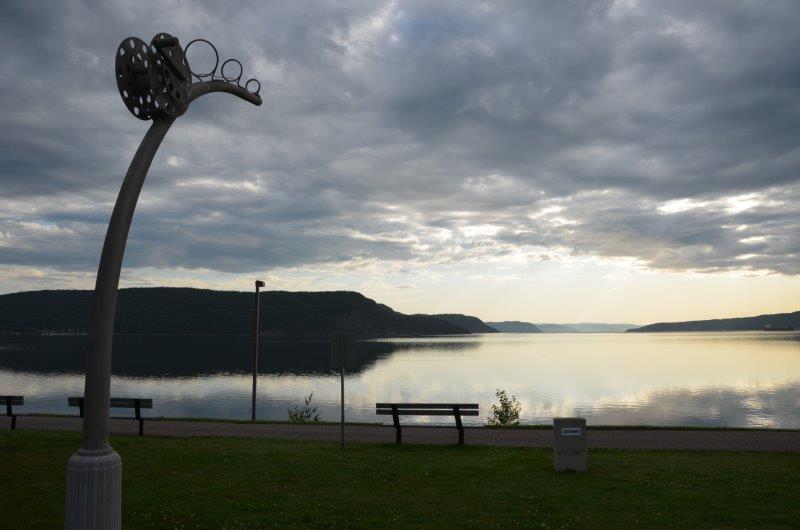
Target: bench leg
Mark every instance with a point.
(13, 422)
(396, 420)
(460, 427)
(141, 427)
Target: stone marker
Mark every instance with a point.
(570, 444)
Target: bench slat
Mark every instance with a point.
(401, 406)
(120, 403)
(13, 400)
(129, 403)
(421, 412)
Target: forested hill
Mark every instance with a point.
(514, 326)
(470, 323)
(777, 320)
(185, 310)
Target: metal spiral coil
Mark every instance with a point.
(218, 73)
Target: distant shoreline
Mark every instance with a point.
(326, 335)
(268, 336)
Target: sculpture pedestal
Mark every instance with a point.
(94, 491)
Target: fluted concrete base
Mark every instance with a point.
(94, 491)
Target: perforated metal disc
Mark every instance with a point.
(132, 66)
(170, 77)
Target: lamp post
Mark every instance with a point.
(259, 284)
(156, 83)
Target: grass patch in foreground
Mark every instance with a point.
(245, 483)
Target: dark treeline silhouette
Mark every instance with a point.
(202, 311)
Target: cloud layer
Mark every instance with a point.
(413, 134)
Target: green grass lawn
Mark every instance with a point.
(244, 483)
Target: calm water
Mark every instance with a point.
(721, 379)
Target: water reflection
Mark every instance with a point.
(733, 379)
(192, 355)
(767, 406)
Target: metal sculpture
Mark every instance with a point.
(155, 82)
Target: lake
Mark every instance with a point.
(743, 379)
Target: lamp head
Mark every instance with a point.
(259, 283)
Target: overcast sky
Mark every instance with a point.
(545, 161)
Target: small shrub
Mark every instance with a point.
(305, 413)
(506, 414)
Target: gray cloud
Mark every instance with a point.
(415, 131)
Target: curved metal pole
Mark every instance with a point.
(97, 384)
(94, 472)
(104, 304)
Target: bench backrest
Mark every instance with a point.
(8, 401)
(426, 409)
(119, 403)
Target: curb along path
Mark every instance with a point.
(785, 441)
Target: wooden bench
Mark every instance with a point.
(10, 401)
(120, 403)
(427, 409)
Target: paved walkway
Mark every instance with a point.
(788, 441)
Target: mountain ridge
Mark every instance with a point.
(602, 327)
(755, 323)
(468, 322)
(514, 326)
(556, 328)
(185, 310)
